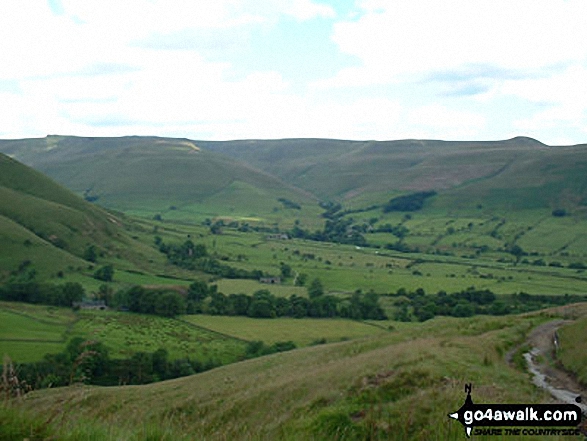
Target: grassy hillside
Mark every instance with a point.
(501, 174)
(573, 348)
(28, 332)
(46, 224)
(148, 176)
(190, 180)
(398, 385)
(302, 332)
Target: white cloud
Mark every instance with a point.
(431, 119)
(306, 9)
(395, 40)
(404, 69)
(563, 97)
(568, 87)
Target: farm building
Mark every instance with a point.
(281, 236)
(90, 304)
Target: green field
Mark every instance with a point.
(302, 332)
(124, 334)
(508, 216)
(28, 332)
(398, 385)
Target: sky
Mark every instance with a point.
(345, 69)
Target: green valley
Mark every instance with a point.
(283, 289)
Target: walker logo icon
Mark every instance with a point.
(472, 415)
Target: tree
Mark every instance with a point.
(261, 308)
(72, 292)
(198, 291)
(301, 279)
(160, 363)
(315, 289)
(285, 270)
(105, 293)
(169, 304)
(106, 273)
(90, 254)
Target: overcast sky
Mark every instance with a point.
(348, 69)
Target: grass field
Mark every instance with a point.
(491, 225)
(28, 332)
(573, 348)
(345, 268)
(396, 385)
(302, 332)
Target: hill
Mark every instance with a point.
(157, 176)
(261, 180)
(46, 227)
(369, 171)
(397, 385)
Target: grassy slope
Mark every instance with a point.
(573, 348)
(302, 332)
(400, 385)
(28, 332)
(368, 172)
(148, 176)
(47, 224)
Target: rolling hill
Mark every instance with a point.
(396, 385)
(187, 180)
(149, 176)
(49, 226)
(506, 173)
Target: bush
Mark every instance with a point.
(106, 273)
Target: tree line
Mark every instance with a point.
(42, 293)
(89, 362)
(193, 256)
(263, 304)
(202, 298)
(419, 306)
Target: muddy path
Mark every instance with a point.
(542, 364)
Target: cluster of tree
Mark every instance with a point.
(105, 273)
(401, 247)
(219, 224)
(331, 209)
(196, 257)
(263, 304)
(150, 301)
(410, 202)
(337, 230)
(88, 362)
(290, 204)
(398, 231)
(417, 305)
(258, 348)
(334, 210)
(42, 293)
(541, 262)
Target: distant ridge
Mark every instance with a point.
(246, 178)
